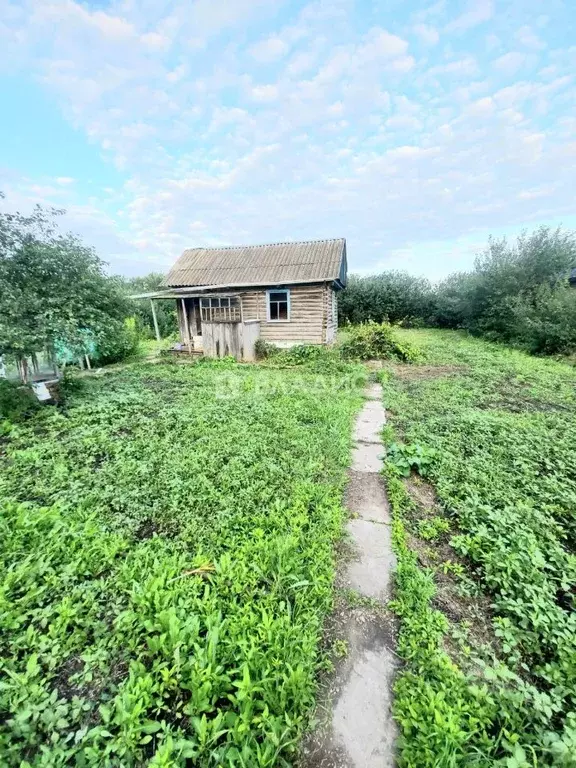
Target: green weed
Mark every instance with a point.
(405, 458)
(166, 549)
(504, 435)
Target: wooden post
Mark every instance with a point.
(186, 326)
(156, 328)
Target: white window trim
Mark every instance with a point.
(277, 290)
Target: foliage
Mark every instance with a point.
(432, 529)
(117, 342)
(372, 341)
(325, 360)
(389, 297)
(263, 349)
(15, 402)
(165, 309)
(503, 429)
(406, 458)
(52, 287)
(166, 550)
(517, 293)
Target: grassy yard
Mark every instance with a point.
(166, 545)
(487, 572)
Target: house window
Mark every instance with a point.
(220, 310)
(279, 305)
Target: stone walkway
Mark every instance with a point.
(356, 729)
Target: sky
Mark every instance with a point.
(413, 129)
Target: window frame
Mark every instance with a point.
(278, 290)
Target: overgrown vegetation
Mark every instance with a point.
(166, 549)
(499, 428)
(517, 292)
(369, 341)
(16, 403)
(165, 309)
(54, 292)
(376, 341)
(390, 297)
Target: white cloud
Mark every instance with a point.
(478, 12)
(510, 62)
(528, 38)
(466, 67)
(481, 107)
(264, 93)
(354, 131)
(536, 193)
(428, 35)
(268, 50)
(403, 123)
(300, 63)
(155, 41)
(380, 45)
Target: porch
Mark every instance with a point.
(210, 324)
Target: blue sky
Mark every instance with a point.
(413, 129)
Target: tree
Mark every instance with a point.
(165, 310)
(391, 296)
(53, 288)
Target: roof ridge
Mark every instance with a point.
(264, 245)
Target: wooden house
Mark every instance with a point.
(284, 293)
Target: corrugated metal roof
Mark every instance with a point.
(314, 260)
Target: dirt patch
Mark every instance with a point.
(409, 372)
(73, 666)
(67, 688)
(423, 494)
(149, 528)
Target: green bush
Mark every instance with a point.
(547, 324)
(263, 349)
(517, 293)
(165, 309)
(374, 341)
(16, 402)
(117, 343)
(392, 297)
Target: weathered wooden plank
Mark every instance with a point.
(155, 319)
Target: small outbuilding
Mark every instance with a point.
(284, 293)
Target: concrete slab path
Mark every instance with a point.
(355, 728)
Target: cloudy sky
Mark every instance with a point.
(412, 129)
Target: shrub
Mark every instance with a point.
(371, 341)
(117, 343)
(264, 349)
(392, 296)
(547, 324)
(517, 293)
(16, 402)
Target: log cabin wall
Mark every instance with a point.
(307, 315)
(313, 318)
(331, 299)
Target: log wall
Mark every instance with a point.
(313, 314)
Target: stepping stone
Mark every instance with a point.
(359, 731)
